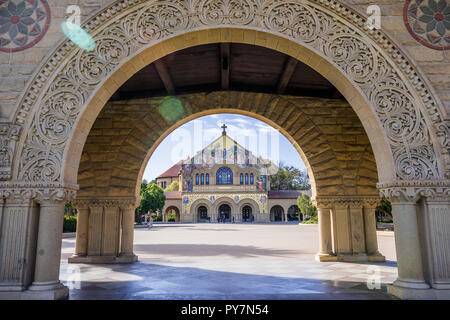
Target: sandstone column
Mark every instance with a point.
(18, 233)
(370, 228)
(326, 250)
(435, 220)
(82, 230)
(407, 244)
(106, 231)
(126, 245)
(46, 282)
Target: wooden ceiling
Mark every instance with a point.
(226, 66)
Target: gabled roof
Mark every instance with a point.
(173, 171)
(225, 148)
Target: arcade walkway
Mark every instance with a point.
(229, 261)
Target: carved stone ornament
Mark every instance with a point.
(24, 193)
(9, 134)
(125, 203)
(412, 191)
(346, 201)
(418, 136)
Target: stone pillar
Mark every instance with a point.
(18, 234)
(421, 211)
(326, 249)
(46, 282)
(82, 231)
(347, 229)
(407, 244)
(110, 230)
(126, 244)
(435, 214)
(370, 228)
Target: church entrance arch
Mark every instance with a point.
(224, 213)
(247, 215)
(202, 213)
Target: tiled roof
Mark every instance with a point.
(172, 195)
(287, 194)
(172, 171)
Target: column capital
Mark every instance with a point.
(412, 191)
(25, 193)
(328, 202)
(121, 202)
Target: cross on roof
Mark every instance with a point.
(224, 127)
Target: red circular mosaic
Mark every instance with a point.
(428, 21)
(23, 23)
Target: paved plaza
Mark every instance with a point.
(229, 261)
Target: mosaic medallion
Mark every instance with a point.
(185, 200)
(23, 23)
(428, 21)
(263, 199)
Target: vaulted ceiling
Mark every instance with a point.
(226, 66)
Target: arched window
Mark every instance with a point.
(241, 179)
(207, 178)
(202, 179)
(224, 175)
(246, 178)
(196, 178)
(251, 178)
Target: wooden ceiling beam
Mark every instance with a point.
(286, 76)
(163, 73)
(225, 65)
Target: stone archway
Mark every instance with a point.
(173, 211)
(254, 210)
(277, 214)
(400, 114)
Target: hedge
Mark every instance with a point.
(70, 224)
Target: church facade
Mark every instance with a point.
(224, 182)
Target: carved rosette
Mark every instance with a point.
(400, 97)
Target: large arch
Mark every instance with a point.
(401, 116)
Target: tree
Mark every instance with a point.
(306, 207)
(383, 211)
(289, 178)
(152, 199)
(174, 186)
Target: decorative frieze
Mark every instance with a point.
(412, 191)
(346, 201)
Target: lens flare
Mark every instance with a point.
(78, 36)
(171, 108)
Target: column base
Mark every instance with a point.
(323, 257)
(46, 291)
(418, 294)
(129, 258)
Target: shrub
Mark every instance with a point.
(70, 224)
(171, 217)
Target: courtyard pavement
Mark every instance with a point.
(229, 261)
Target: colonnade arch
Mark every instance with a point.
(412, 161)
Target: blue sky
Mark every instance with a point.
(255, 135)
